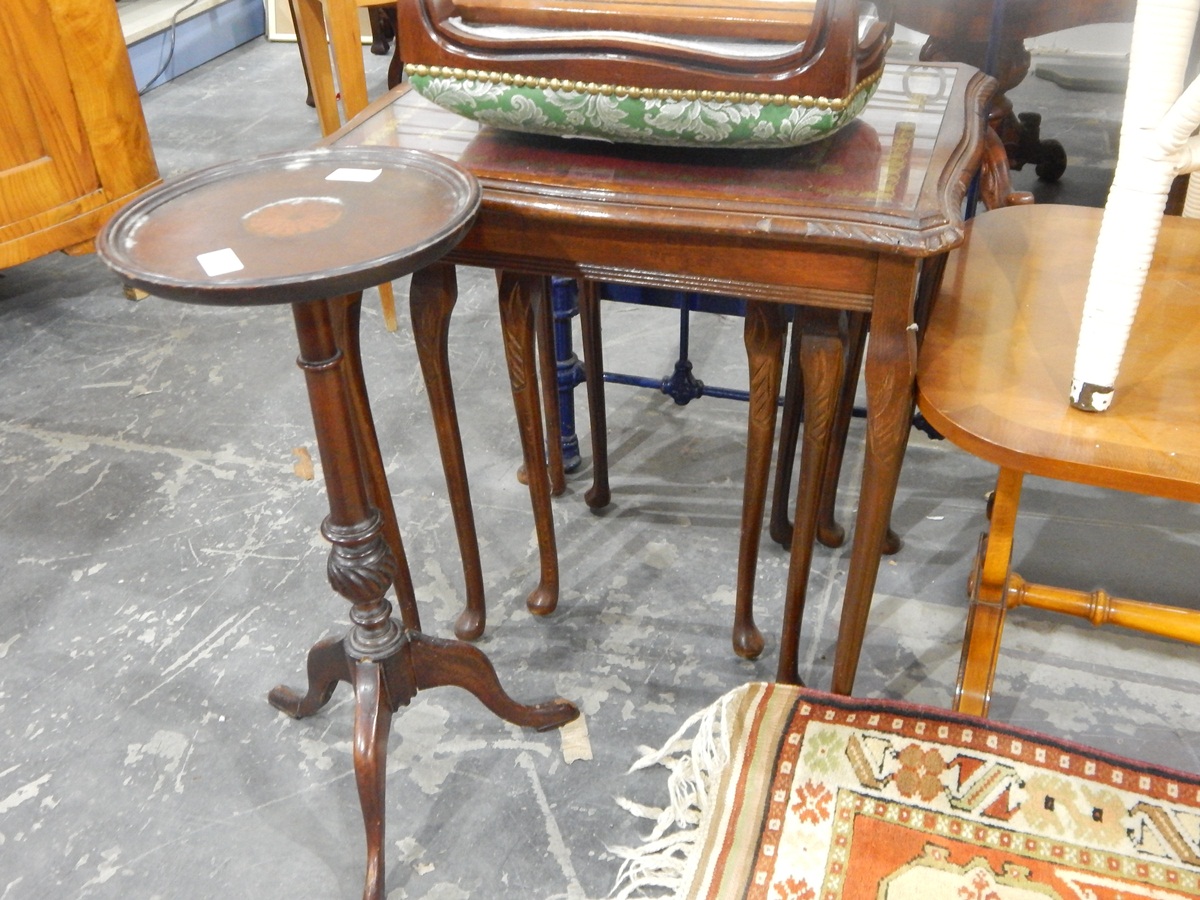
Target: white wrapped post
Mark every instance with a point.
(1191, 203)
(1156, 145)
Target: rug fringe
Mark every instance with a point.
(695, 756)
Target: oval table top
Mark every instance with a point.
(996, 362)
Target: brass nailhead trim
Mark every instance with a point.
(836, 104)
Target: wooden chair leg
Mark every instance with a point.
(987, 591)
(345, 42)
(314, 49)
(309, 99)
(387, 302)
(316, 41)
(396, 66)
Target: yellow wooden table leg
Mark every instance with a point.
(387, 301)
(989, 601)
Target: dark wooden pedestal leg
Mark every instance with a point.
(431, 297)
(386, 662)
(327, 665)
(764, 333)
(442, 663)
(599, 495)
(373, 708)
(822, 360)
(517, 294)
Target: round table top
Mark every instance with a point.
(292, 227)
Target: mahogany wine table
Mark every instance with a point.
(313, 229)
(858, 224)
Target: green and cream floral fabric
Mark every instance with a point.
(629, 115)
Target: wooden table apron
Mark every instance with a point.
(850, 224)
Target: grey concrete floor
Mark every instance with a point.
(161, 570)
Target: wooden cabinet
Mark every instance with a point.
(74, 145)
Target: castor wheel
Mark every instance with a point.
(1052, 161)
(1049, 157)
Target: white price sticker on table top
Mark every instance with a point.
(348, 174)
(220, 262)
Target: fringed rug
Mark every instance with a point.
(783, 793)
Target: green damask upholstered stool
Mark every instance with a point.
(728, 73)
(313, 229)
(791, 793)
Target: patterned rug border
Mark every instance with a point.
(721, 746)
(1028, 734)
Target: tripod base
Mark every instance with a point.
(381, 687)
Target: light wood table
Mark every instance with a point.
(858, 224)
(995, 378)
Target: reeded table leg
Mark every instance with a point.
(386, 662)
(516, 321)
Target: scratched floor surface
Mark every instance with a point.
(161, 571)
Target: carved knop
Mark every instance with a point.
(361, 565)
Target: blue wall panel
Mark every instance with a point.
(196, 41)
